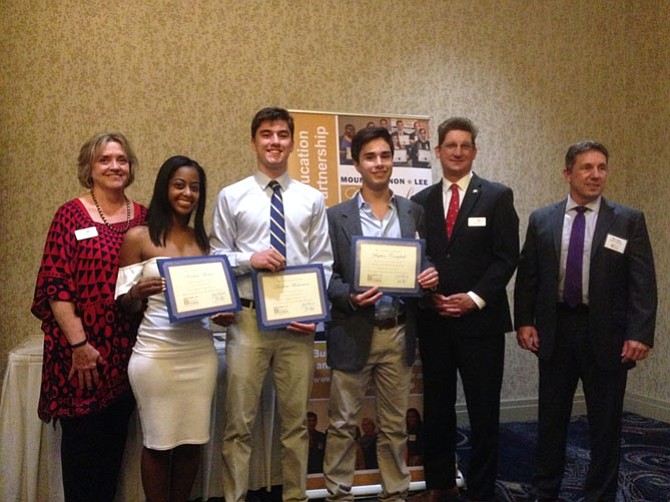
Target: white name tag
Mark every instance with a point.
(86, 233)
(615, 243)
(477, 221)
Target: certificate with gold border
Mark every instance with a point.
(390, 264)
(295, 294)
(198, 286)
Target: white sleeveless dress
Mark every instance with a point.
(172, 370)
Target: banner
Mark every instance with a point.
(322, 152)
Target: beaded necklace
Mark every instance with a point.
(104, 220)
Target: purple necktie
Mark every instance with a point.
(572, 287)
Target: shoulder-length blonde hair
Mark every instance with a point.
(91, 149)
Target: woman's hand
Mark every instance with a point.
(85, 357)
(85, 361)
(146, 287)
(133, 299)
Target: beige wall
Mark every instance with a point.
(186, 77)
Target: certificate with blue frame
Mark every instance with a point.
(390, 264)
(198, 286)
(295, 294)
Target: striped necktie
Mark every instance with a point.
(277, 224)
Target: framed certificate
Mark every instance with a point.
(296, 294)
(198, 286)
(390, 264)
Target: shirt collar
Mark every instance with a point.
(263, 179)
(462, 183)
(360, 201)
(592, 206)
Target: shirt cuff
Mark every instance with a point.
(477, 299)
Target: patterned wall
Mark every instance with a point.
(178, 76)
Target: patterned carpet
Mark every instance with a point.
(645, 465)
(644, 474)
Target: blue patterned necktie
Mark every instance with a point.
(572, 287)
(277, 224)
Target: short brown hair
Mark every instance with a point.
(581, 147)
(456, 124)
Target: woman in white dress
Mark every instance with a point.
(173, 366)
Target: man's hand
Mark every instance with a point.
(302, 328)
(527, 338)
(456, 305)
(223, 318)
(634, 351)
(270, 259)
(366, 298)
(429, 278)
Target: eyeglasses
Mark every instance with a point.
(465, 147)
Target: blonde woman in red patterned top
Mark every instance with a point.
(87, 338)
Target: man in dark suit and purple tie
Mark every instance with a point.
(585, 303)
(472, 237)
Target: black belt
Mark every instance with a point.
(581, 308)
(250, 304)
(390, 322)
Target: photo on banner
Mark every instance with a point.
(322, 152)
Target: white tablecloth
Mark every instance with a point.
(30, 449)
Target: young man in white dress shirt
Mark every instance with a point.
(241, 231)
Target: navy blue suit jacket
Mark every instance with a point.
(480, 256)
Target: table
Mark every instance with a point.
(30, 449)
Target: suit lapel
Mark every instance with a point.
(350, 218)
(606, 217)
(470, 199)
(436, 226)
(557, 218)
(407, 227)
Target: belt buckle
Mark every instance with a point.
(389, 322)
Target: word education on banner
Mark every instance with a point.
(322, 152)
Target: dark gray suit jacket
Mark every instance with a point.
(349, 333)
(622, 285)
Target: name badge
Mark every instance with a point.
(477, 221)
(86, 233)
(615, 243)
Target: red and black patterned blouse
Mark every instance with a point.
(83, 272)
